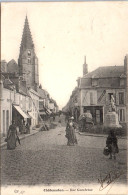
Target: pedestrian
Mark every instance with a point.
(53, 117)
(12, 136)
(112, 145)
(59, 122)
(24, 130)
(27, 128)
(70, 132)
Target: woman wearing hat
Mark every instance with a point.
(70, 132)
(12, 136)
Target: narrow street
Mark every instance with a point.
(44, 158)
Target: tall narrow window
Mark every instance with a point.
(7, 120)
(29, 60)
(122, 82)
(29, 53)
(121, 115)
(97, 116)
(121, 98)
(110, 96)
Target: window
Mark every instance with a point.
(110, 96)
(122, 82)
(121, 115)
(121, 98)
(7, 120)
(29, 53)
(97, 116)
(94, 82)
(29, 60)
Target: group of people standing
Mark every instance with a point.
(111, 141)
(24, 127)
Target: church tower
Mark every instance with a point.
(85, 67)
(28, 62)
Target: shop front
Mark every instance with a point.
(97, 113)
(21, 118)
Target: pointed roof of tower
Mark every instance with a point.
(84, 59)
(26, 42)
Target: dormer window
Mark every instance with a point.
(122, 82)
(94, 82)
(29, 53)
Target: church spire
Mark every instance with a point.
(26, 42)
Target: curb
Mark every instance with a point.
(95, 135)
(28, 135)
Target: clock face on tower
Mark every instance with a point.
(29, 53)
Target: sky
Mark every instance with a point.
(63, 33)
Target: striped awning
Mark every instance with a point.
(21, 112)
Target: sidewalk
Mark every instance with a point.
(21, 136)
(98, 135)
(32, 132)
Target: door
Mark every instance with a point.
(7, 120)
(98, 116)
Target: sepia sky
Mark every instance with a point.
(63, 33)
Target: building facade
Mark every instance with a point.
(6, 99)
(21, 97)
(95, 90)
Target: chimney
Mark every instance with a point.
(85, 67)
(126, 64)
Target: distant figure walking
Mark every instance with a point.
(70, 133)
(111, 143)
(27, 128)
(12, 136)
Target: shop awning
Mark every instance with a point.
(42, 113)
(48, 111)
(21, 112)
(31, 115)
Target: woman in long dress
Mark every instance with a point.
(70, 133)
(12, 136)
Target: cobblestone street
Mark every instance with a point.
(44, 158)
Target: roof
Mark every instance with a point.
(26, 37)
(53, 101)
(8, 84)
(23, 92)
(34, 92)
(106, 72)
(3, 66)
(12, 66)
(41, 93)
